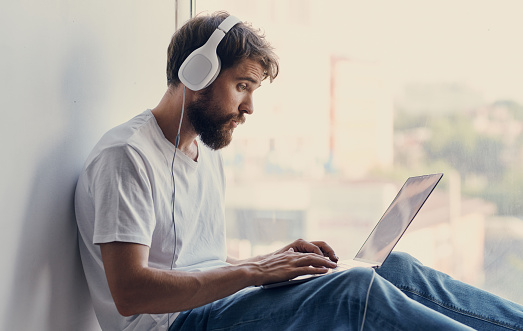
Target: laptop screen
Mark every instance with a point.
(397, 218)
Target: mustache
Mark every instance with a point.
(240, 119)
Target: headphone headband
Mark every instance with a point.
(228, 23)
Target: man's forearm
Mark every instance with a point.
(136, 288)
(156, 291)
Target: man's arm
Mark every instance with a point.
(137, 288)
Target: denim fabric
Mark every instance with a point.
(464, 303)
(420, 299)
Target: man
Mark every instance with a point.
(151, 225)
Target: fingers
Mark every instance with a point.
(316, 247)
(311, 260)
(326, 250)
(303, 246)
(292, 264)
(308, 264)
(299, 259)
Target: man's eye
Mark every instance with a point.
(242, 87)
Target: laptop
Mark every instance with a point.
(390, 228)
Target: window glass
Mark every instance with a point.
(369, 94)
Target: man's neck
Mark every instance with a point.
(168, 114)
(192, 151)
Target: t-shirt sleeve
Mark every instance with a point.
(121, 191)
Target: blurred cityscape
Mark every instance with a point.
(330, 144)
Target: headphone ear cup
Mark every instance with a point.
(199, 69)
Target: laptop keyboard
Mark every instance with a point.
(343, 265)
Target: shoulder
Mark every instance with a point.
(123, 149)
(132, 141)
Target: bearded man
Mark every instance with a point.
(150, 213)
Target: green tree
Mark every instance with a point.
(507, 193)
(454, 139)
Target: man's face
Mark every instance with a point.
(222, 106)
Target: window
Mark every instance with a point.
(369, 94)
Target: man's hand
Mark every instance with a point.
(296, 259)
(300, 245)
(289, 264)
(316, 247)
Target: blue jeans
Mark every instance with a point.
(404, 295)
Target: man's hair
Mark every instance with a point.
(241, 42)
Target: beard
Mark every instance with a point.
(206, 117)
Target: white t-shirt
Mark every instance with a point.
(124, 194)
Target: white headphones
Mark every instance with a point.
(203, 65)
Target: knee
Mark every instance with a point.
(398, 265)
(400, 259)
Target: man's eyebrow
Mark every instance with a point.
(250, 79)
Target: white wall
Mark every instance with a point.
(69, 70)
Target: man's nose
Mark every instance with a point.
(248, 105)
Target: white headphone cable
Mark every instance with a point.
(176, 143)
(367, 300)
